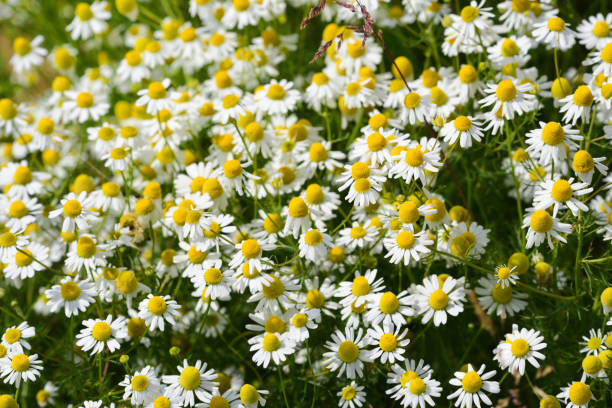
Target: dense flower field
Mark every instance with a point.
(304, 203)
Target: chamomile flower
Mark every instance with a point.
(544, 227)
(250, 397)
(594, 343)
(228, 398)
(277, 98)
(76, 212)
(193, 381)
(576, 395)
(520, 346)
(99, 334)
(472, 386)
(347, 353)
(389, 343)
(405, 246)
(415, 108)
(351, 396)
(363, 183)
(357, 236)
(271, 347)
(303, 321)
(561, 193)
(506, 275)
(17, 367)
(73, 295)
(313, 245)
(577, 105)
(594, 32)
(155, 97)
(584, 165)
(85, 253)
(415, 162)
(277, 292)
(28, 260)
(15, 337)
(412, 384)
(358, 291)
(509, 97)
(555, 33)
(89, 20)
(438, 297)
(10, 244)
(142, 387)
(251, 250)
(322, 92)
(156, 310)
(83, 106)
(215, 283)
(503, 301)
(464, 129)
(27, 54)
(551, 142)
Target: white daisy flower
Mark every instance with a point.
(503, 301)
(506, 275)
(351, 396)
(89, 20)
(73, 295)
(193, 381)
(271, 347)
(472, 386)
(313, 245)
(554, 32)
(303, 321)
(415, 109)
(551, 142)
(584, 165)
(412, 384)
(390, 344)
(415, 161)
(561, 193)
(405, 246)
(363, 183)
(215, 283)
(543, 227)
(576, 395)
(155, 310)
(358, 291)
(142, 387)
(99, 334)
(27, 54)
(347, 353)
(577, 105)
(28, 260)
(17, 367)
(509, 97)
(464, 129)
(250, 397)
(15, 337)
(520, 346)
(155, 97)
(83, 106)
(594, 343)
(594, 32)
(276, 293)
(439, 296)
(277, 98)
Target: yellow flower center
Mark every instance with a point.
(232, 169)
(541, 221)
(601, 29)
(84, 100)
(579, 393)
(462, 245)
(157, 305)
(361, 286)
(315, 299)
(503, 272)
(157, 90)
(472, 382)
(101, 331)
(313, 237)
(561, 191)
(273, 289)
(83, 12)
(583, 95)
(229, 101)
(407, 377)
(297, 208)
(348, 351)
(271, 342)
(553, 134)
(22, 46)
(358, 232)
(300, 320)
(417, 386)
(362, 185)
(502, 296)
(276, 92)
(241, 5)
(23, 258)
(12, 335)
(248, 394)
(8, 110)
(438, 96)
(583, 162)
(520, 6)
(556, 24)
(591, 364)
(126, 282)
(606, 53)
(70, 291)
(412, 100)
(72, 208)
(213, 276)
(468, 74)
(17, 209)
(190, 378)
(389, 303)
(188, 35)
(520, 348)
(387, 342)
(405, 239)
(506, 91)
(22, 175)
(376, 142)
(251, 249)
(20, 363)
(462, 123)
(438, 300)
(594, 343)
(317, 152)
(469, 14)
(320, 79)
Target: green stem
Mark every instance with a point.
(282, 384)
